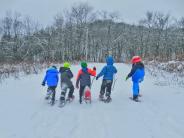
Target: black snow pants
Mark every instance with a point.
(106, 88)
(64, 88)
(52, 89)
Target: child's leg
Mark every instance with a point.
(49, 92)
(53, 92)
(103, 86)
(70, 94)
(63, 91)
(81, 92)
(108, 90)
(135, 90)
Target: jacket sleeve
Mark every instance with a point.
(78, 77)
(132, 71)
(45, 78)
(92, 72)
(60, 70)
(102, 72)
(115, 70)
(70, 74)
(57, 77)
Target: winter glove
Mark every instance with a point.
(43, 83)
(94, 68)
(126, 78)
(97, 78)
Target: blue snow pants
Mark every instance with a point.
(135, 88)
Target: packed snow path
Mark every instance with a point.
(25, 114)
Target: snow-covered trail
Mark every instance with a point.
(25, 114)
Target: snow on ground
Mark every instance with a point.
(25, 114)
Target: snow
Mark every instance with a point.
(25, 114)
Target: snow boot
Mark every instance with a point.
(70, 99)
(135, 98)
(108, 99)
(47, 97)
(52, 102)
(101, 97)
(62, 101)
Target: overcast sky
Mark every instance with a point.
(131, 11)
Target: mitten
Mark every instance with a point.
(43, 83)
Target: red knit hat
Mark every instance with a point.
(136, 59)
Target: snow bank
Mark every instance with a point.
(169, 73)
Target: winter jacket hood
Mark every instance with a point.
(110, 60)
(109, 70)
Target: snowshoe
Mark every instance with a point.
(47, 97)
(135, 100)
(70, 99)
(52, 102)
(80, 101)
(62, 103)
(87, 100)
(108, 100)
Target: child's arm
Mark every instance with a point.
(44, 80)
(101, 73)
(92, 72)
(57, 77)
(78, 78)
(132, 71)
(115, 70)
(70, 74)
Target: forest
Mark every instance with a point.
(81, 33)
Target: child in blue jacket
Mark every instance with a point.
(107, 72)
(51, 78)
(137, 73)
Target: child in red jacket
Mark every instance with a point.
(84, 79)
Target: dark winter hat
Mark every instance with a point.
(54, 66)
(83, 64)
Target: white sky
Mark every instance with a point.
(131, 11)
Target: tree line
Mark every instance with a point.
(82, 33)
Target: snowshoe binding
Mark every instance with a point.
(108, 100)
(62, 102)
(47, 97)
(52, 102)
(135, 99)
